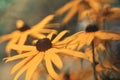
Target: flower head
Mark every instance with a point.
(44, 49)
(92, 32)
(75, 6)
(106, 13)
(20, 36)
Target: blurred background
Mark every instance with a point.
(31, 12)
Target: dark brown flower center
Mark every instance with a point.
(24, 28)
(43, 44)
(91, 28)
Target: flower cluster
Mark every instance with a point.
(93, 44)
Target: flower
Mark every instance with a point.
(75, 6)
(92, 32)
(109, 13)
(20, 36)
(106, 13)
(44, 49)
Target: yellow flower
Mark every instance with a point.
(106, 13)
(75, 6)
(20, 36)
(92, 32)
(44, 49)
(109, 13)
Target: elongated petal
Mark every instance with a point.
(53, 25)
(95, 5)
(9, 36)
(9, 45)
(37, 35)
(107, 35)
(63, 9)
(55, 59)
(23, 47)
(69, 39)
(22, 40)
(47, 31)
(72, 53)
(20, 65)
(42, 23)
(23, 69)
(27, 54)
(59, 36)
(90, 38)
(70, 14)
(50, 68)
(115, 10)
(49, 36)
(5, 37)
(34, 66)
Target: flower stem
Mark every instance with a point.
(94, 70)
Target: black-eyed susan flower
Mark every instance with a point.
(92, 32)
(44, 49)
(109, 13)
(106, 13)
(20, 36)
(75, 6)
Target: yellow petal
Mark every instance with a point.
(27, 54)
(53, 25)
(115, 10)
(23, 48)
(55, 59)
(42, 23)
(25, 67)
(90, 38)
(95, 5)
(59, 36)
(49, 36)
(22, 40)
(63, 9)
(47, 31)
(70, 14)
(107, 35)
(50, 68)
(80, 46)
(20, 65)
(69, 39)
(9, 36)
(72, 53)
(34, 66)
(72, 46)
(5, 37)
(37, 35)
(10, 43)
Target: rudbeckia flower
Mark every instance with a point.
(75, 6)
(20, 36)
(92, 32)
(106, 13)
(44, 49)
(109, 13)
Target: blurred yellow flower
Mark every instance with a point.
(20, 36)
(75, 6)
(92, 32)
(44, 49)
(106, 13)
